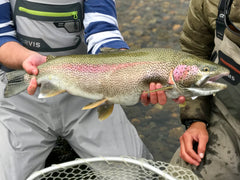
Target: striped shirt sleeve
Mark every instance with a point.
(101, 26)
(7, 30)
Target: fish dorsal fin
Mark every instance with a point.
(49, 90)
(108, 50)
(94, 104)
(105, 111)
(50, 57)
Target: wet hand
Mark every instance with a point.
(197, 132)
(158, 96)
(30, 66)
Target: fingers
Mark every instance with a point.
(32, 86)
(31, 63)
(161, 96)
(202, 145)
(158, 96)
(145, 99)
(180, 100)
(154, 97)
(186, 150)
(30, 69)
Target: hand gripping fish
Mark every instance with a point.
(121, 77)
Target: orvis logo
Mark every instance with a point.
(33, 44)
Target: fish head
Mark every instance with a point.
(198, 76)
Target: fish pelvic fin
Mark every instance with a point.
(104, 111)
(16, 83)
(94, 104)
(49, 90)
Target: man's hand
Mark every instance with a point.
(196, 133)
(30, 66)
(158, 97)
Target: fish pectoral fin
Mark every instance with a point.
(94, 104)
(160, 89)
(49, 90)
(105, 111)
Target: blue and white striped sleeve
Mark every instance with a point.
(7, 30)
(101, 26)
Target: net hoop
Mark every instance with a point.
(143, 163)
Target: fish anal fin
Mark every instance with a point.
(49, 90)
(94, 104)
(105, 111)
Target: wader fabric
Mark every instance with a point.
(30, 126)
(222, 158)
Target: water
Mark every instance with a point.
(154, 23)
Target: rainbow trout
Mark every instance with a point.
(121, 77)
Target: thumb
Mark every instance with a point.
(31, 63)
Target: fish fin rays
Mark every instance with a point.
(49, 90)
(94, 104)
(105, 111)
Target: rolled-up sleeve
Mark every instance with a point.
(101, 26)
(7, 29)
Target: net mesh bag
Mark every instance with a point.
(114, 168)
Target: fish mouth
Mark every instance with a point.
(214, 85)
(208, 88)
(210, 79)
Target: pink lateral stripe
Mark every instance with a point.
(90, 68)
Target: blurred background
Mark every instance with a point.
(147, 23)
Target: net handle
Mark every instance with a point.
(105, 159)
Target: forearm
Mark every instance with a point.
(12, 55)
(197, 110)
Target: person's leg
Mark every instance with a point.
(25, 140)
(114, 136)
(23, 148)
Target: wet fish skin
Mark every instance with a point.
(121, 77)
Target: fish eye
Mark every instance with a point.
(205, 69)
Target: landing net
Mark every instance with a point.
(113, 168)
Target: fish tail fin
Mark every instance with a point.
(16, 83)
